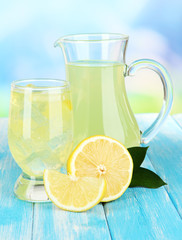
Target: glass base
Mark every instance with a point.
(30, 189)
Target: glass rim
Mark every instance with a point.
(16, 84)
(80, 37)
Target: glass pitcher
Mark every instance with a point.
(96, 68)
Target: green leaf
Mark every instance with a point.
(143, 177)
(138, 155)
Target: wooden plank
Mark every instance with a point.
(165, 154)
(178, 118)
(51, 222)
(15, 215)
(142, 214)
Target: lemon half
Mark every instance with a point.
(104, 158)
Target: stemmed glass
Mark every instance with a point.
(39, 132)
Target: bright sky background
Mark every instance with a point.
(28, 30)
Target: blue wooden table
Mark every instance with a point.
(139, 214)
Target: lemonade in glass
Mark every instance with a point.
(39, 132)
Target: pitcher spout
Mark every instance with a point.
(58, 42)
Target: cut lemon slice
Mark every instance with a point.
(73, 193)
(103, 157)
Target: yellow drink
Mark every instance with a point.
(100, 105)
(40, 129)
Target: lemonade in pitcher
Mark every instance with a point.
(100, 106)
(40, 127)
(96, 68)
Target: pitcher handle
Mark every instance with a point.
(150, 132)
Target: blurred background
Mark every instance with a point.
(28, 30)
